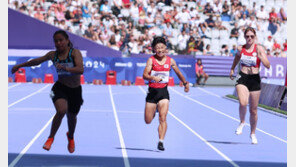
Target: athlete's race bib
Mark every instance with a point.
(248, 60)
(164, 75)
(62, 72)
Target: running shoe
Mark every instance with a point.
(239, 129)
(71, 144)
(160, 146)
(48, 143)
(254, 139)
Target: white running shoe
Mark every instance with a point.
(239, 129)
(254, 139)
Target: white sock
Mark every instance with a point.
(160, 140)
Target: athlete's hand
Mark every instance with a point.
(186, 88)
(157, 79)
(231, 74)
(14, 69)
(59, 66)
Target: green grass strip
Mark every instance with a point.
(263, 106)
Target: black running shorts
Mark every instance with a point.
(72, 95)
(251, 81)
(154, 95)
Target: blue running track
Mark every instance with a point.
(111, 131)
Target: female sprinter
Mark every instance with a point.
(66, 93)
(248, 80)
(157, 71)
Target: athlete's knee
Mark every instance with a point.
(253, 111)
(148, 121)
(162, 118)
(61, 112)
(243, 103)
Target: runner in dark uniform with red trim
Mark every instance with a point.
(248, 80)
(157, 71)
(66, 93)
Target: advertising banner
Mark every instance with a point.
(277, 70)
(96, 68)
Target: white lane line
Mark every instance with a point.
(82, 110)
(200, 137)
(38, 91)
(204, 140)
(14, 85)
(234, 100)
(23, 152)
(217, 111)
(123, 150)
(208, 92)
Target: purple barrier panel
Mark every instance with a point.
(284, 103)
(270, 94)
(217, 65)
(25, 32)
(278, 68)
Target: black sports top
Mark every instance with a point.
(68, 62)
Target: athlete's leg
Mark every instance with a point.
(72, 121)
(206, 76)
(163, 108)
(198, 79)
(254, 100)
(243, 96)
(150, 109)
(61, 106)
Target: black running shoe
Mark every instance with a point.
(160, 146)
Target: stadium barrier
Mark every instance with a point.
(271, 95)
(130, 68)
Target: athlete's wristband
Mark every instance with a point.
(184, 83)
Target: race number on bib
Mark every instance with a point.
(248, 60)
(164, 75)
(63, 72)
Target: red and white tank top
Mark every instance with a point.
(199, 68)
(161, 71)
(249, 59)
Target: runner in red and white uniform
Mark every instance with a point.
(248, 80)
(157, 71)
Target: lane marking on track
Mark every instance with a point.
(123, 150)
(20, 110)
(217, 111)
(12, 86)
(200, 137)
(23, 152)
(32, 94)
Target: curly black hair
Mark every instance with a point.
(157, 40)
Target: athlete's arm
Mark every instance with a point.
(33, 62)
(147, 70)
(180, 75)
(262, 56)
(78, 69)
(235, 61)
